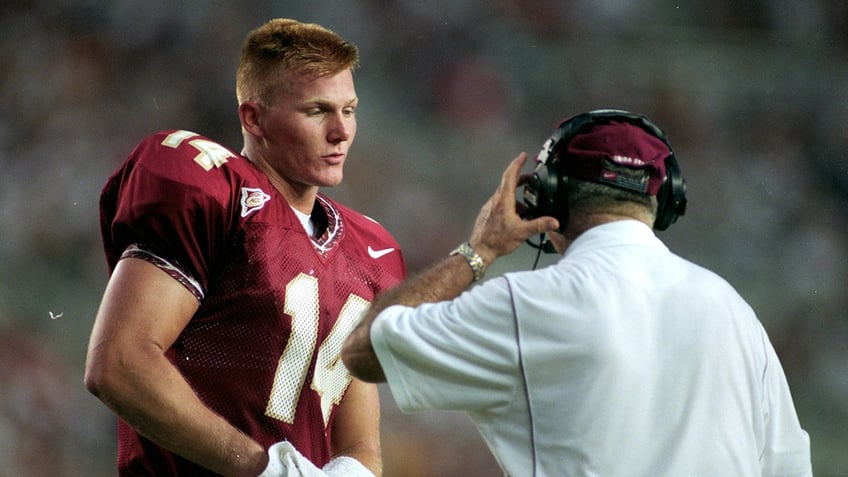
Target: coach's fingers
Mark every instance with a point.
(524, 179)
(499, 229)
(512, 179)
(512, 175)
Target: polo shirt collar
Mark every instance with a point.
(620, 232)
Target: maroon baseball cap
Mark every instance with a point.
(589, 154)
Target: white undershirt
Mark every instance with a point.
(306, 221)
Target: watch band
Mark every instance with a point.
(473, 258)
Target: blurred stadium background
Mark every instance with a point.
(753, 95)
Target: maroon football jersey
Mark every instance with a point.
(275, 304)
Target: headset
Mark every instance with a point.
(546, 193)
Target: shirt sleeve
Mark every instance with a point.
(455, 355)
(786, 449)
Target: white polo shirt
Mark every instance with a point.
(622, 359)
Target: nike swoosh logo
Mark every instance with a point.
(379, 253)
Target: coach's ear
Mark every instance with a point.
(250, 114)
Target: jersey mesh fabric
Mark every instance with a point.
(263, 348)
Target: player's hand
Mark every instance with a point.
(499, 229)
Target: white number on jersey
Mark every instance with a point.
(211, 154)
(330, 378)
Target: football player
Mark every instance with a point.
(234, 281)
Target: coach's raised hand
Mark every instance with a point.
(499, 229)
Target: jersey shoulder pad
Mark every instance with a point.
(186, 157)
(362, 225)
(367, 236)
(176, 194)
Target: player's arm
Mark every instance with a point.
(356, 427)
(142, 312)
(498, 230)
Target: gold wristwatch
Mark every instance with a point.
(473, 258)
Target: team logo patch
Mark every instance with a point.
(252, 200)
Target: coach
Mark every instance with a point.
(622, 359)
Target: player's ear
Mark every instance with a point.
(249, 114)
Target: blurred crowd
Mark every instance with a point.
(753, 96)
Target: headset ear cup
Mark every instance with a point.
(671, 198)
(558, 182)
(546, 193)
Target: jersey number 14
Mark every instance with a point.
(330, 378)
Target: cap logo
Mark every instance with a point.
(628, 161)
(608, 176)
